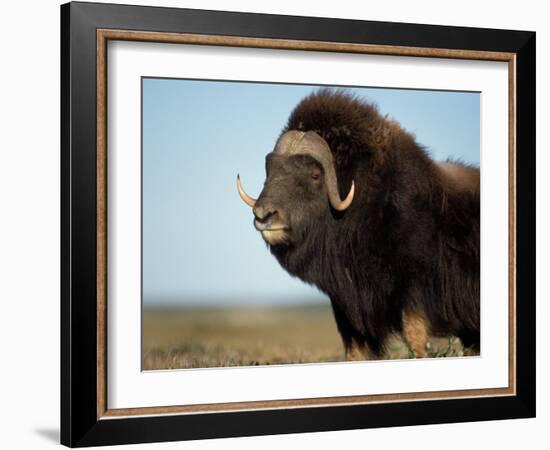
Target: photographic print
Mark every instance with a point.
(294, 224)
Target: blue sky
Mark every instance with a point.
(199, 244)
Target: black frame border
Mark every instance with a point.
(79, 423)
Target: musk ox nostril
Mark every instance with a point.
(263, 213)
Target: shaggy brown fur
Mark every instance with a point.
(408, 246)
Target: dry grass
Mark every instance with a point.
(236, 337)
(210, 337)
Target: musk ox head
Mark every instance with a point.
(300, 187)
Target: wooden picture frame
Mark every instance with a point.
(86, 418)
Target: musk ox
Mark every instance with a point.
(355, 206)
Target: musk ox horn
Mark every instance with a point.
(310, 143)
(246, 198)
(344, 204)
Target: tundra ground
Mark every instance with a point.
(220, 337)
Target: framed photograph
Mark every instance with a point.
(276, 224)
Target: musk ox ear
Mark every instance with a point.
(310, 143)
(242, 193)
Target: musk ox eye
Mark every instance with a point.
(315, 176)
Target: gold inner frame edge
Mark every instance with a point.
(103, 36)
